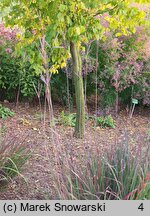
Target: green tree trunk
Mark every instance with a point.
(79, 90)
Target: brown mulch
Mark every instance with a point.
(38, 182)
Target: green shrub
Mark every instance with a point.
(5, 112)
(13, 155)
(115, 175)
(59, 89)
(106, 121)
(108, 97)
(67, 119)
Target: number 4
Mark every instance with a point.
(141, 207)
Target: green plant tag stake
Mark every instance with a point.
(134, 102)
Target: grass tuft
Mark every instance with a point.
(118, 174)
(13, 155)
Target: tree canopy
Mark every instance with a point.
(74, 20)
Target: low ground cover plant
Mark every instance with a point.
(67, 119)
(105, 121)
(5, 112)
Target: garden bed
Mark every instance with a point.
(38, 172)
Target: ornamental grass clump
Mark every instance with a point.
(13, 156)
(118, 174)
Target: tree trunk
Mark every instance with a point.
(79, 90)
(47, 79)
